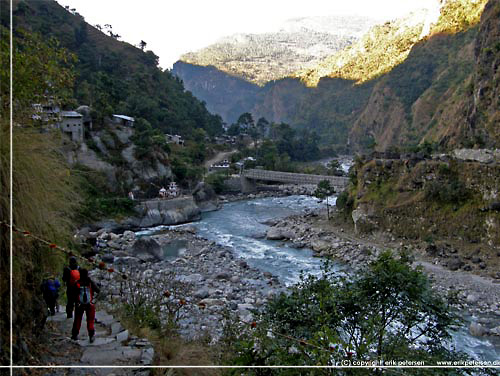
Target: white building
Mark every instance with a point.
(123, 120)
(48, 113)
(174, 139)
(72, 122)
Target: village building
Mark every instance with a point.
(225, 140)
(46, 112)
(173, 190)
(87, 118)
(72, 122)
(174, 139)
(123, 120)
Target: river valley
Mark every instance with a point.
(240, 228)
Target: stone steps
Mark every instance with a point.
(112, 346)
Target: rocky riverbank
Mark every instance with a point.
(472, 294)
(200, 279)
(282, 190)
(212, 282)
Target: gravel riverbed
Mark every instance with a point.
(207, 277)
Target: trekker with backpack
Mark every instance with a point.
(50, 291)
(85, 288)
(71, 274)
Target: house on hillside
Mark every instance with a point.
(174, 139)
(46, 112)
(123, 120)
(225, 140)
(72, 122)
(49, 115)
(87, 117)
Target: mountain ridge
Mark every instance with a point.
(300, 43)
(421, 98)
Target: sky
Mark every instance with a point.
(172, 28)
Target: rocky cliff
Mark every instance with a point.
(453, 198)
(111, 152)
(407, 104)
(475, 116)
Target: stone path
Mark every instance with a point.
(113, 346)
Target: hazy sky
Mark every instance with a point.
(171, 28)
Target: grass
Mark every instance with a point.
(381, 192)
(171, 350)
(45, 198)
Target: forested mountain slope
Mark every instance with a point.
(440, 86)
(114, 76)
(300, 43)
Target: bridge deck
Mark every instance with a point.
(293, 178)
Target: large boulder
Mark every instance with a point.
(147, 249)
(477, 329)
(364, 219)
(276, 233)
(205, 197)
(165, 212)
(320, 245)
(476, 155)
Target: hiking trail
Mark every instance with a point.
(113, 346)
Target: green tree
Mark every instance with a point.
(334, 168)
(262, 126)
(41, 70)
(324, 190)
(388, 311)
(234, 130)
(245, 120)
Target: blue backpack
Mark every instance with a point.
(51, 287)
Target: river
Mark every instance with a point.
(239, 225)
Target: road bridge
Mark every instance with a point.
(249, 178)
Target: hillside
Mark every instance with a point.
(114, 76)
(404, 82)
(382, 48)
(388, 45)
(475, 116)
(406, 103)
(226, 95)
(301, 43)
(428, 96)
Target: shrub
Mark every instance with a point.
(452, 191)
(217, 182)
(389, 311)
(345, 202)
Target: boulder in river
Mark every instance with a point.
(147, 249)
(477, 329)
(205, 197)
(275, 233)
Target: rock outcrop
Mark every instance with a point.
(205, 197)
(111, 151)
(164, 212)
